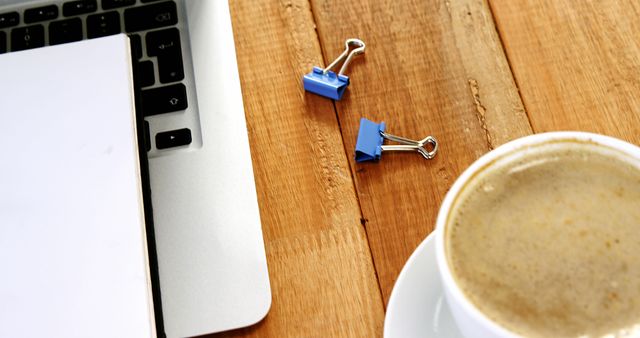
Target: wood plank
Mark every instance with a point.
(576, 63)
(430, 68)
(322, 276)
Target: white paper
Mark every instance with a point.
(73, 257)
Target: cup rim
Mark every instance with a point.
(449, 283)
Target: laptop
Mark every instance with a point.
(211, 260)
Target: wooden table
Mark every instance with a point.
(472, 73)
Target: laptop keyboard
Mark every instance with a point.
(155, 33)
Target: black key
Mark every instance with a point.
(27, 37)
(103, 24)
(146, 77)
(79, 7)
(136, 45)
(9, 19)
(151, 16)
(147, 136)
(64, 31)
(145, 1)
(170, 68)
(164, 99)
(111, 4)
(163, 42)
(3, 42)
(40, 14)
(173, 138)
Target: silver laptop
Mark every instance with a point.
(211, 260)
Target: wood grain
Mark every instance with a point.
(576, 63)
(430, 68)
(320, 266)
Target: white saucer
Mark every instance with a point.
(417, 307)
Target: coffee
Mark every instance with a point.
(547, 244)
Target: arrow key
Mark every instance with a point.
(173, 138)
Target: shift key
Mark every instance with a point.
(164, 99)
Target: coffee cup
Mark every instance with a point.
(540, 238)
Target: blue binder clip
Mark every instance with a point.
(371, 135)
(327, 83)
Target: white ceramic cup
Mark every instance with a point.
(471, 321)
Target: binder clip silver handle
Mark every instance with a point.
(412, 145)
(349, 55)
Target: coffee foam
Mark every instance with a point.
(545, 243)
